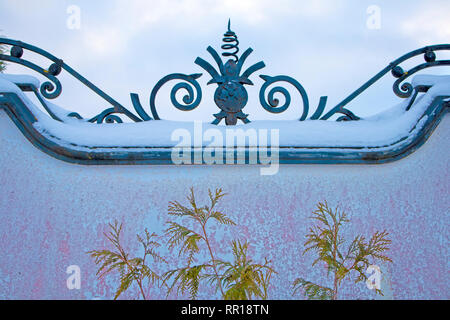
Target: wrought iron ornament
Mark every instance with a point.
(231, 97)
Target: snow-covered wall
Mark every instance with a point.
(52, 212)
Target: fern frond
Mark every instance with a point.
(178, 234)
(177, 209)
(126, 280)
(106, 259)
(222, 218)
(378, 244)
(184, 279)
(325, 240)
(243, 279)
(129, 269)
(214, 198)
(186, 238)
(311, 290)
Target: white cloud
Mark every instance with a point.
(140, 14)
(27, 7)
(104, 41)
(137, 41)
(127, 19)
(429, 25)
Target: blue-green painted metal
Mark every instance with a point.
(231, 42)
(52, 89)
(272, 106)
(230, 96)
(55, 147)
(189, 102)
(401, 90)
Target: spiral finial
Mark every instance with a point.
(231, 43)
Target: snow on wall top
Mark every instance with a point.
(382, 129)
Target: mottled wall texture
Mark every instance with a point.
(53, 212)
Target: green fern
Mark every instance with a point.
(188, 278)
(325, 240)
(185, 279)
(238, 280)
(130, 269)
(312, 290)
(243, 279)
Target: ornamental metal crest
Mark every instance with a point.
(230, 96)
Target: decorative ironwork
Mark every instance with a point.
(52, 89)
(189, 102)
(56, 147)
(231, 43)
(231, 97)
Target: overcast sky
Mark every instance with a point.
(331, 47)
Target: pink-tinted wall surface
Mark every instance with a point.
(53, 212)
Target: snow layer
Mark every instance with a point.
(20, 79)
(382, 129)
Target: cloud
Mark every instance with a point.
(27, 7)
(104, 41)
(429, 25)
(128, 45)
(124, 20)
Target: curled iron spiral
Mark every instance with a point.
(189, 85)
(273, 103)
(231, 43)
